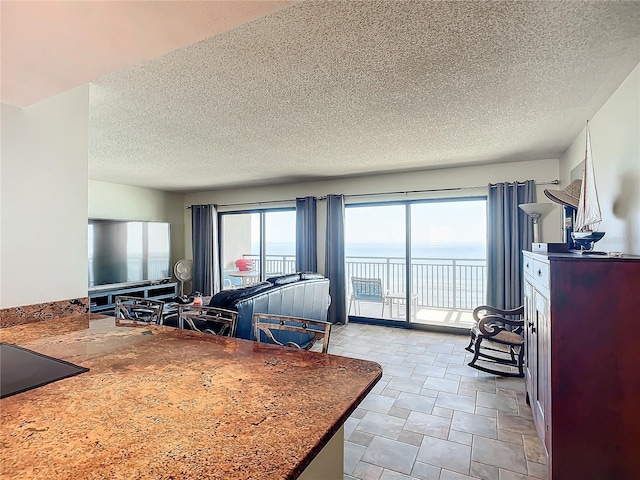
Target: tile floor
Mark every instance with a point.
(432, 416)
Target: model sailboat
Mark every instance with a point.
(588, 215)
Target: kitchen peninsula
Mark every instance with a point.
(164, 403)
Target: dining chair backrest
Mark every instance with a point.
(135, 310)
(293, 332)
(213, 320)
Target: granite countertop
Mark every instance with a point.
(165, 403)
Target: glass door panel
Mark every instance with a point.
(375, 255)
(448, 260)
(240, 249)
(280, 242)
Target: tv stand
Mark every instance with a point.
(103, 299)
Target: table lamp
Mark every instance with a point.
(535, 211)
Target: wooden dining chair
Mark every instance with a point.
(293, 332)
(131, 311)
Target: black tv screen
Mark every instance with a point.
(122, 252)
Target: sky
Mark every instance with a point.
(432, 223)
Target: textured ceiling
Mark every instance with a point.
(327, 88)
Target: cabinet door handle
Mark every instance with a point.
(527, 265)
(539, 272)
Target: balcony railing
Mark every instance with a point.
(451, 283)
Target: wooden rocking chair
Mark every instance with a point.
(491, 325)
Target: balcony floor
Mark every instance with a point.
(441, 317)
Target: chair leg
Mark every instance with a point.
(473, 361)
(469, 348)
(521, 361)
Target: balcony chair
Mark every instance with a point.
(130, 311)
(213, 320)
(492, 327)
(300, 333)
(366, 290)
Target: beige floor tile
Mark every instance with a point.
(442, 384)
(377, 403)
(538, 470)
(426, 424)
(361, 438)
(516, 423)
(380, 424)
(367, 471)
(391, 454)
(352, 455)
(449, 475)
(456, 402)
(533, 450)
(474, 424)
(460, 437)
(504, 403)
(399, 412)
(511, 437)
(444, 454)
(424, 471)
(442, 412)
(412, 438)
(483, 471)
(499, 454)
(415, 402)
(508, 475)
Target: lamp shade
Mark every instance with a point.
(536, 209)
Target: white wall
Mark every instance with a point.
(475, 176)
(123, 202)
(43, 200)
(615, 145)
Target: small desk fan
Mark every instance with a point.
(183, 271)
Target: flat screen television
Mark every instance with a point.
(128, 252)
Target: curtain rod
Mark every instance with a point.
(404, 192)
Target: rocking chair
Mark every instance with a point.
(491, 325)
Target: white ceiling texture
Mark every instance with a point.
(322, 89)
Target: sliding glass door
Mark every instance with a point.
(375, 251)
(256, 245)
(421, 262)
(448, 261)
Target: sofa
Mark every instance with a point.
(303, 294)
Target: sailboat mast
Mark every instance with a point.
(588, 206)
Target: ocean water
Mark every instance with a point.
(476, 251)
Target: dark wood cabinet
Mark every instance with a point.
(582, 319)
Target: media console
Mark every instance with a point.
(103, 299)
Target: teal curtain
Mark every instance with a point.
(509, 231)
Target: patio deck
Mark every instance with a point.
(442, 317)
